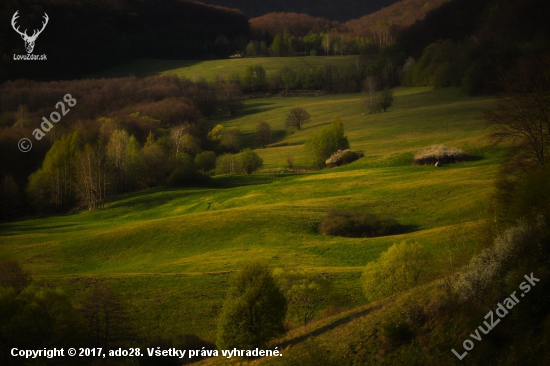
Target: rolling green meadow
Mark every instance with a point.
(170, 252)
(210, 69)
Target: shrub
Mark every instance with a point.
(439, 154)
(322, 144)
(254, 309)
(205, 160)
(398, 269)
(12, 275)
(343, 157)
(249, 161)
(358, 225)
(483, 268)
(188, 176)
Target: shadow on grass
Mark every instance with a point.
(12, 229)
(258, 107)
(238, 180)
(329, 327)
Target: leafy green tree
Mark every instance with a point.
(206, 160)
(254, 78)
(262, 136)
(297, 117)
(52, 184)
(155, 163)
(250, 161)
(385, 99)
(400, 268)
(254, 309)
(37, 318)
(231, 139)
(278, 45)
(322, 144)
(305, 293)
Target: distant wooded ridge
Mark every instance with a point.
(341, 10)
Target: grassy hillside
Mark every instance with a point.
(170, 252)
(208, 70)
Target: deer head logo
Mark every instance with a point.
(29, 40)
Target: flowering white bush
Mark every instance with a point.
(439, 153)
(488, 264)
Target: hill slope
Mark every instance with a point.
(333, 10)
(171, 251)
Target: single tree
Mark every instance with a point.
(370, 86)
(254, 309)
(400, 268)
(231, 139)
(305, 293)
(322, 144)
(262, 137)
(385, 99)
(106, 317)
(12, 275)
(522, 114)
(205, 161)
(297, 117)
(250, 161)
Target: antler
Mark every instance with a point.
(13, 19)
(36, 33)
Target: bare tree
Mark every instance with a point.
(297, 117)
(522, 114)
(106, 317)
(176, 137)
(370, 86)
(91, 177)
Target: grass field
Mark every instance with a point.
(170, 252)
(209, 70)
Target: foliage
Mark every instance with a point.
(12, 275)
(262, 136)
(254, 78)
(385, 99)
(227, 164)
(253, 311)
(51, 185)
(343, 157)
(473, 282)
(106, 318)
(322, 144)
(38, 318)
(297, 117)
(187, 174)
(358, 225)
(439, 154)
(401, 267)
(250, 161)
(522, 114)
(305, 294)
(231, 139)
(205, 160)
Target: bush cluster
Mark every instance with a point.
(439, 154)
(343, 157)
(358, 225)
